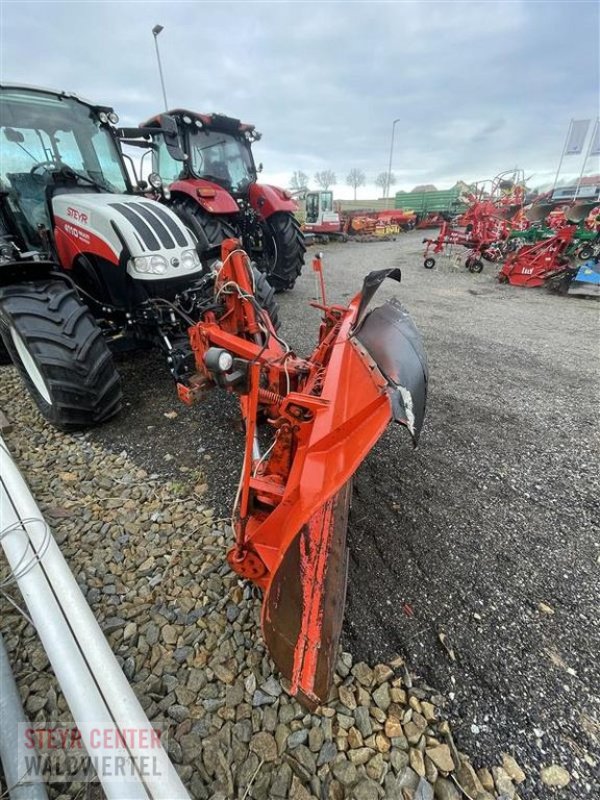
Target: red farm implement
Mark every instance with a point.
(536, 264)
(324, 414)
(492, 214)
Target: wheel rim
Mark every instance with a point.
(30, 366)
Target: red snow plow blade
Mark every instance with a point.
(325, 413)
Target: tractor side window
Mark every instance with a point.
(21, 156)
(168, 169)
(68, 149)
(108, 161)
(22, 149)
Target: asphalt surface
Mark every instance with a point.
(495, 513)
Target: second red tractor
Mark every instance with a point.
(210, 171)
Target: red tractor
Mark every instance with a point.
(214, 190)
(88, 263)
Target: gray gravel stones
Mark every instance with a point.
(202, 671)
(264, 745)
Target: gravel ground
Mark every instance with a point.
(484, 535)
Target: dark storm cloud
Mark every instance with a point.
(478, 87)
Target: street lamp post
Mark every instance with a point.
(156, 30)
(389, 173)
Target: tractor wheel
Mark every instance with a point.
(60, 354)
(284, 250)
(209, 229)
(429, 263)
(265, 296)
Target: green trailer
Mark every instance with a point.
(443, 201)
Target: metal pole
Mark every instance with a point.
(20, 784)
(389, 173)
(93, 684)
(155, 31)
(561, 157)
(586, 159)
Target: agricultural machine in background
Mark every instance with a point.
(212, 180)
(86, 263)
(495, 209)
(555, 260)
(388, 222)
(318, 216)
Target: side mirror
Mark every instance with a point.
(260, 167)
(14, 136)
(171, 135)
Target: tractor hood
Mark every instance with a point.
(149, 237)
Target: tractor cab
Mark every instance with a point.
(214, 148)
(53, 143)
(208, 167)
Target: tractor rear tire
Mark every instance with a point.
(60, 353)
(285, 250)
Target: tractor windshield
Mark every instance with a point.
(222, 158)
(41, 134)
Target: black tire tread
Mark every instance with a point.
(265, 296)
(69, 349)
(289, 240)
(209, 229)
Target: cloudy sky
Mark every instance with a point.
(478, 87)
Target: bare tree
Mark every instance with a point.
(325, 179)
(385, 180)
(299, 180)
(356, 178)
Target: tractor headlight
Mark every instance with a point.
(103, 117)
(140, 264)
(158, 265)
(113, 118)
(190, 259)
(155, 180)
(155, 265)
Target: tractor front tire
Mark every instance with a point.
(285, 250)
(209, 229)
(265, 296)
(429, 263)
(60, 354)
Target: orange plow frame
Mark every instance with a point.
(327, 412)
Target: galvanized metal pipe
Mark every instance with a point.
(98, 694)
(20, 787)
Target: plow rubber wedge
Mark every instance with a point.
(326, 413)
